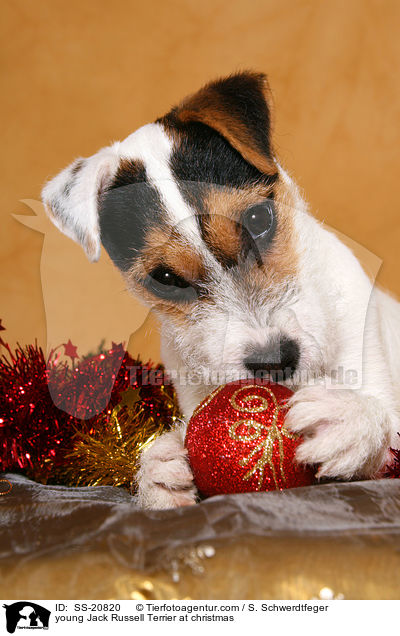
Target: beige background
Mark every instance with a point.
(78, 75)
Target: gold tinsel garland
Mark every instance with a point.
(109, 454)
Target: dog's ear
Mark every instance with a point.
(71, 199)
(237, 107)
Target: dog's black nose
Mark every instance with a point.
(279, 360)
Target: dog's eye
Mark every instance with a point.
(259, 220)
(165, 284)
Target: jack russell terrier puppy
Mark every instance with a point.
(208, 229)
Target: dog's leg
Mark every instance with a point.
(164, 478)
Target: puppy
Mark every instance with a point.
(208, 229)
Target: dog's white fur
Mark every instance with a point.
(340, 320)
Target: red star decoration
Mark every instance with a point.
(70, 350)
(117, 347)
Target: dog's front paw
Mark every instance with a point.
(346, 433)
(164, 478)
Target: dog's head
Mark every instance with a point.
(205, 227)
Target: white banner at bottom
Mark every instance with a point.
(169, 617)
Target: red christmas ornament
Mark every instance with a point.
(237, 441)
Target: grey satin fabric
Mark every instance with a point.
(37, 519)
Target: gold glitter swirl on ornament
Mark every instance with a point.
(249, 437)
(265, 444)
(248, 398)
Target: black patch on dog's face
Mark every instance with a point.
(203, 156)
(129, 207)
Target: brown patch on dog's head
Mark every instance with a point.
(170, 249)
(220, 223)
(223, 231)
(280, 263)
(167, 249)
(237, 108)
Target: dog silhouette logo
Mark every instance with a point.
(26, 615)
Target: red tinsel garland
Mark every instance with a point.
(52, 410)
